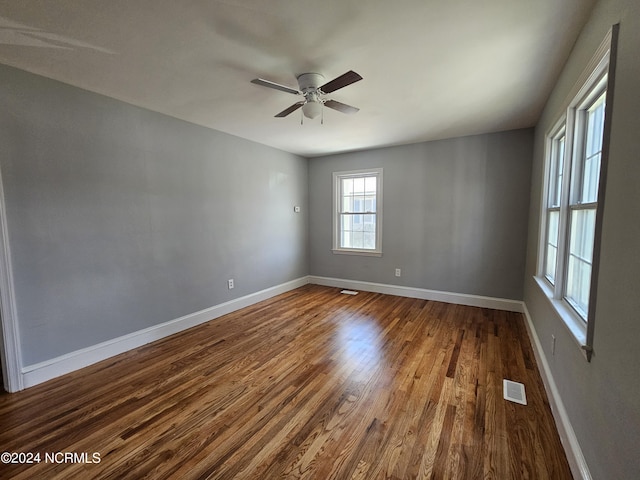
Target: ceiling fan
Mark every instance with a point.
(312, 88)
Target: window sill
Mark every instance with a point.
(364, 253)
(577, 326)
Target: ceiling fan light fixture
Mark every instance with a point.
(312, 109)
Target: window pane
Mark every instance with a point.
(347, 223)
(345, 239)
(591, 177)
(593, 149)
(578, 283)
(368, 205)
(583, 224)
(369, 223)
(595, 125)
(582, 229)
(347, 186)
(357, 240)
(358, 186)
(557, 169)
(552, 232)
(358, 203)
(369, 240)
(370, 185)
(357, 224)
(550, 265)
(553, 218)
(347, 204)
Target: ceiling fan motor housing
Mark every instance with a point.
(310, 82)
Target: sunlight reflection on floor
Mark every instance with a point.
(360, 343)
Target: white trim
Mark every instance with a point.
(424, 294)
(9, 332)
(559, 127)
(576, 326)
(377, 173)
(353, 251)
(591, 70)
(43, 371)
(577, 462)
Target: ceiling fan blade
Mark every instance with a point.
(289, 110)
(340, 82)
(277, 86)
(341, 107)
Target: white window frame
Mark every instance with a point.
(338, 212)
(554, 153)
(597, 79)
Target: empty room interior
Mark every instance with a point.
(282, 239)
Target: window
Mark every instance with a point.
(556, 172)
(357, 212)
(574, 152)
(570, 223)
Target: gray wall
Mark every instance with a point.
(602, 398)
(120, 218)
(455, 214)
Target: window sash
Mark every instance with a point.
(582, 221)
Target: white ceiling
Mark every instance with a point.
(432, 68)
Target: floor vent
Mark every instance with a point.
(514, 392)
(349, 292)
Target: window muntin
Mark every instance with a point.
(357, 211)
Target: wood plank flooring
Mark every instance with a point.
(309, 384)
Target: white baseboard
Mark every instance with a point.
(424, 294)
(55, 367)
(49, 369)
(577, 462)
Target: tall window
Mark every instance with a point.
(556, 172)
(570, 224)
(357, 207)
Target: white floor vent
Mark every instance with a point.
(349, 292)
(514, 392)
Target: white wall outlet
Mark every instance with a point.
(230, 282)
(398, 272)
(296, 209)
(553, 344)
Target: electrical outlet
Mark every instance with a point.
(553, 344)
(230, 282)
(398, 272)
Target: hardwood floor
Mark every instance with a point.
(309, 384)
